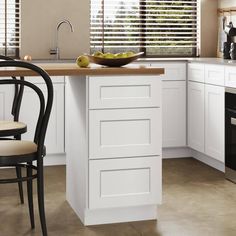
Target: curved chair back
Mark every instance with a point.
(19, 89)
(45, 107)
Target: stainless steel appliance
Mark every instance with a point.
(230, 134)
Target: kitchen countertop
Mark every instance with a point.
(71, 69)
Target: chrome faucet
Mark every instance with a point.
(56, 51)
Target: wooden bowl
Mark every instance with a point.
(114, 62)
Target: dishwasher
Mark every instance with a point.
(230, 134)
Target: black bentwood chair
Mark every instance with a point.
(14, 128)
(23, 153)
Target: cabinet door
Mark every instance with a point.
(196, 72)
(6, 99)
(196, 116)
(174, 113)
(124, 133)
(125, 182)
(214, 122)
(54, 141)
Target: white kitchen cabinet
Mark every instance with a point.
(214, 74)
(196, 72)
(173, 70)
(214, 121)
(54, 141)
(124, 182)
(230, 76)
(196, 127)
(124, 92)
(124, 133)
(6, 100)
(174, 113)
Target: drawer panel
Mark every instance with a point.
(173, 71)
(230, 76)
(124, 132)
(39, 79)
(196, 72)
(214, 74)
(124, 91)
(124, 182)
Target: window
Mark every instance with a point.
(10, 28)
(156, 27)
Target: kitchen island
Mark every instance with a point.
(113, 141)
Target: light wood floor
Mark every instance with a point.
(197, 201)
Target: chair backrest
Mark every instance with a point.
(45, 107)
(19, 89)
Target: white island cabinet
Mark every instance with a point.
(113, 145)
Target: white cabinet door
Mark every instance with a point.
(125, 182)
(6, 100)
(54, 141)
(124, 133)
(173, 70)
(196, 116)
(214, 74)
(196, 72)
(214, 122)
(174, 113)
(124, 91)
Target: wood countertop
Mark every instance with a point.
(71, 69)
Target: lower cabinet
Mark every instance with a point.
(124, 132)
(196, 121)
(173, 113)
(206, 119)
(54, 140)
(125, 182)
(214, 121)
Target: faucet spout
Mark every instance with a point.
(56, 51)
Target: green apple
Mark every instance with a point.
(82, 61)
(98, 54)
(109, 55)
(120, 55)
(130, 54)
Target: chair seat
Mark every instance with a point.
(16, 148)
(8, 128)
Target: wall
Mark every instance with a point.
(40, 17)
(226, 3)
(39, 20)
(208, 24)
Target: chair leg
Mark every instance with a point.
(40, 183)
(20, 185)
(30, 196)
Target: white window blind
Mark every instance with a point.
(156, 27)
(10, 27)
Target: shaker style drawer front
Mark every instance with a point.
(173, 71)
(230, 76)
(124, 182)
(196, 72)
(124, 133)
(214, 74)
(124, 92)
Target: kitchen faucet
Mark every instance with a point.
(56, 51)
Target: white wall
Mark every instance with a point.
(38, 22)
(40, 17)
(226, 3)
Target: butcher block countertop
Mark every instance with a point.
(71, 69)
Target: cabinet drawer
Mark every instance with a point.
(230, 76)
(214, 74)
(124, 91)
(196, 72)
(124, 133)
(173, 71)
(124, 182)
(39, 79)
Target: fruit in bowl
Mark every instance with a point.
(113, 60)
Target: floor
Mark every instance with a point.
(197, 201)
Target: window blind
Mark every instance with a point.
(10, 27)
(156, 27)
